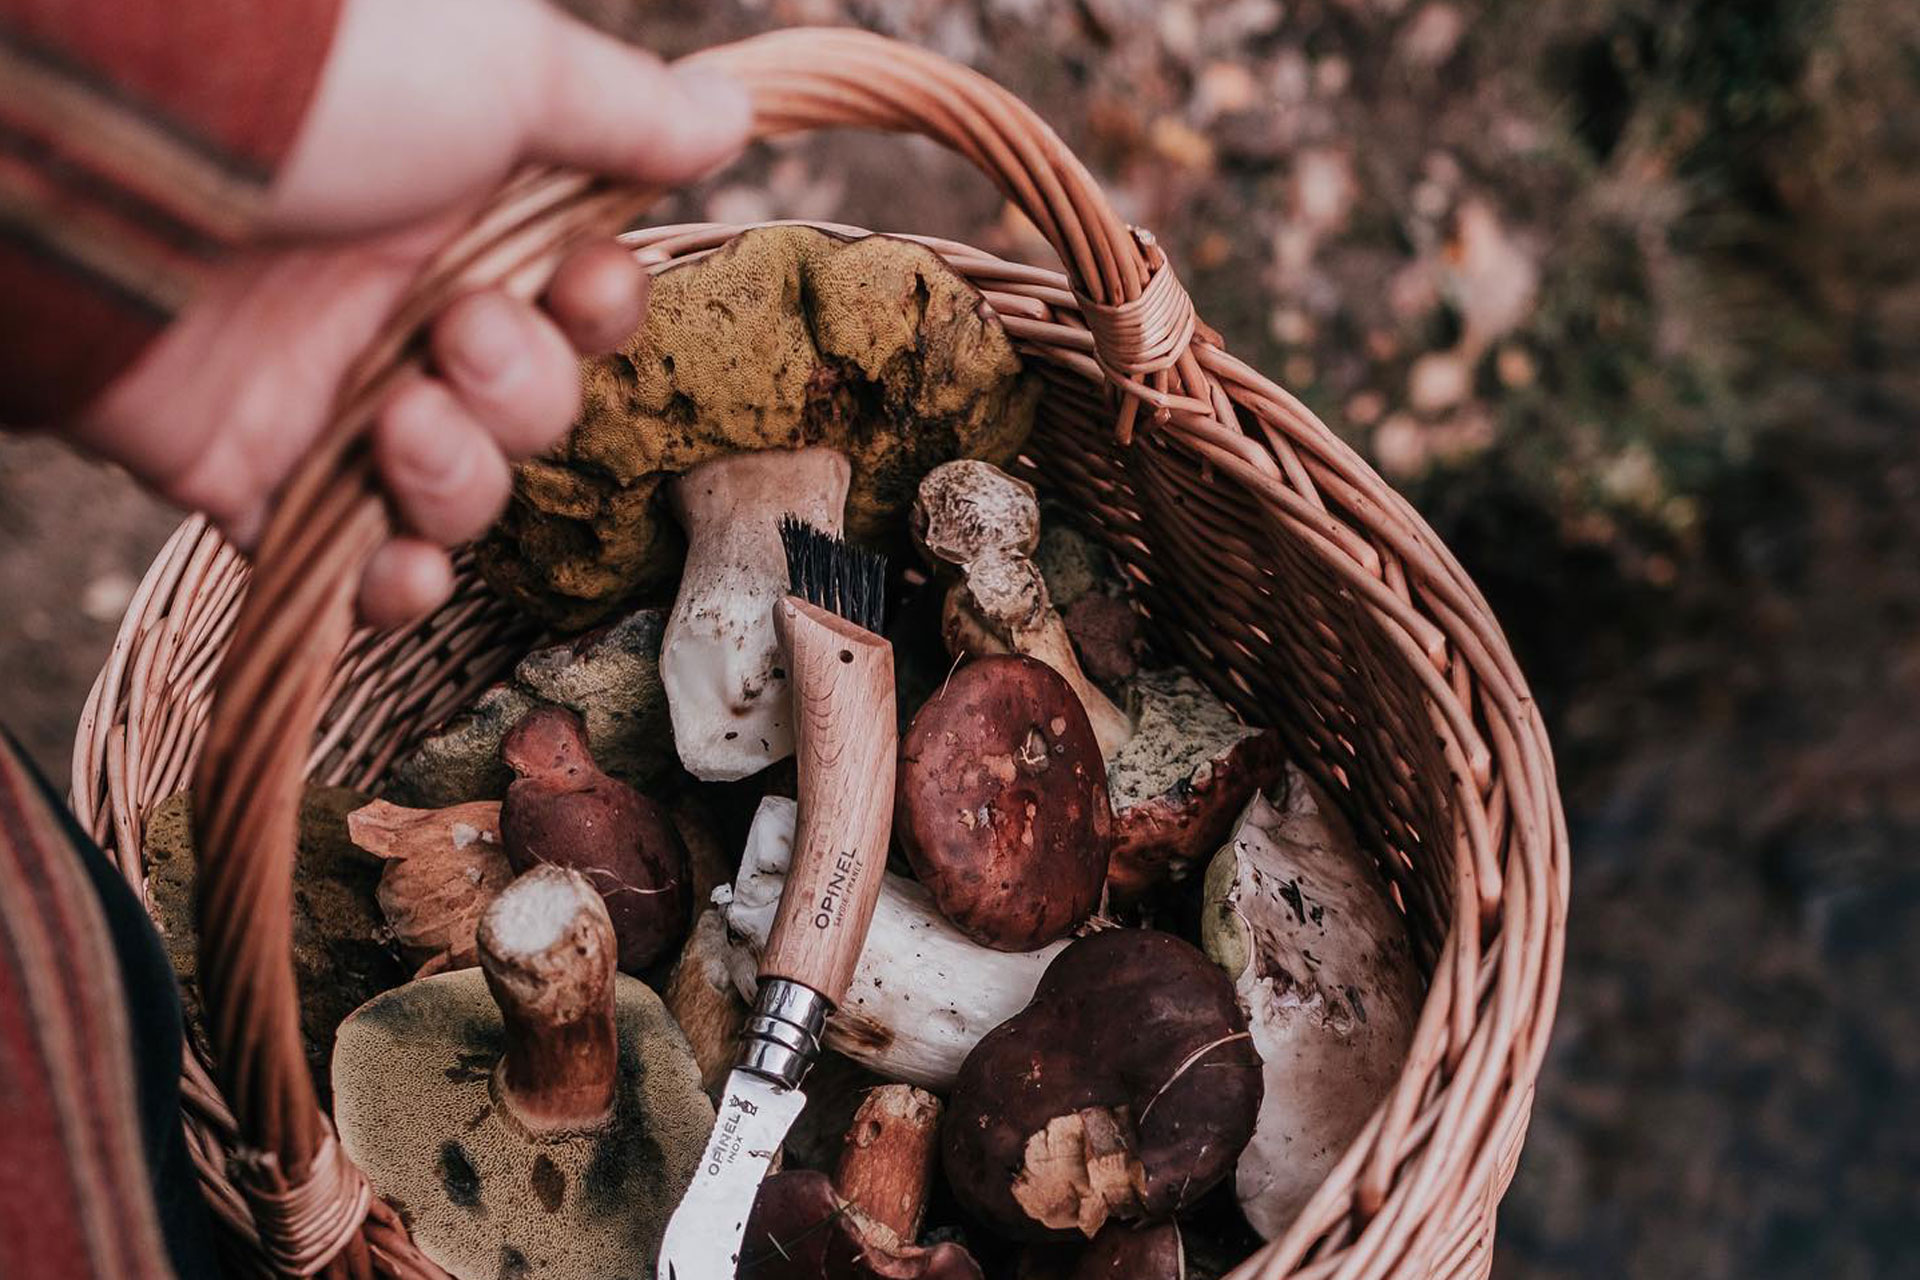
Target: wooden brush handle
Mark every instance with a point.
(844, 745)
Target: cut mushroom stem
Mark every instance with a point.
(863, 1224)
(887, 1163)
(719, 659)
(973, 518)
(547, 949)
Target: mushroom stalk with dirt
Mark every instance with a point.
(1301, 920)
(720, 660)
(923, 993)
(539, 1117)
(973, 519)
(863, 1223)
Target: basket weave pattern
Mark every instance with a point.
(1265, 553)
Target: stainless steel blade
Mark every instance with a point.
(703, 1239)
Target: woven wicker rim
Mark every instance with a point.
(1266, 553)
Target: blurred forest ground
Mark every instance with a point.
(1624, 293)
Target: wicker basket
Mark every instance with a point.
(1267, 556)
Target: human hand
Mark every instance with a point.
(423, 107)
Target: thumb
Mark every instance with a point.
(618, 110)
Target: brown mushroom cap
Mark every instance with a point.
(1127, 1088)
(784, 337)
(1130, 1251)
(1002, 804)
(562, 811)
(420, 1110)
(801, 1230)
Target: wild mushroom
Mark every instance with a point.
(1301, 920)
(973, 517)
(923, 993)
(539, 1117)
(863, 1223)
(704, 1001)
(1180, 780)
(1001, 804)
(1180, 764)
(611, 676)
(1134, 1251)
(561, 810)
(1126, 1089)
(443, 866)
(871, 355)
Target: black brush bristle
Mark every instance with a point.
(822, 569)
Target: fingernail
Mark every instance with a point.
(488, 341)
(715, 97)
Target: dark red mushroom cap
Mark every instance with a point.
(1002, 805)
(562, 810)
(1126, 1088)
(1134, 1251)
(801, 1230)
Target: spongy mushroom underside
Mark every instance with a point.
(784, 337)
(415, 1108)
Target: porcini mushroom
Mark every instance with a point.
(1180, 764)
(1001, 804)
(1180, 780)
(973, 518)
(1301, 920)
(538, 1117)
(1126, 1089)
(871, 354)
(1134, 1251)
(923, 993)
(704, 1001)
(561, 810)
(863, 1223)
(443, 866)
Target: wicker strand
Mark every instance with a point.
(1148, 334)
(304, 1223)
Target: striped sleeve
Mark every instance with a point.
(75, 1197)
(137, 142)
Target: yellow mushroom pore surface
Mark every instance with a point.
(783, 338)
(415, 1107)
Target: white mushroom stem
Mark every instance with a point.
(547, 949)
(719, 659)
(922, 995)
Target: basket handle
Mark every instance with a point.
(298, 612)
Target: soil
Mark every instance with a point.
(1624, 293)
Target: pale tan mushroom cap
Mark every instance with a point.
(414, 1105)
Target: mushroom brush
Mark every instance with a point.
(841, 673)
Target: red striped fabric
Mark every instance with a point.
(137, 140)
(75, 1196)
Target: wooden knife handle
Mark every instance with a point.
(845, 745)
